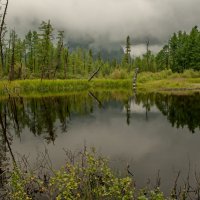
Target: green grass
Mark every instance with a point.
(164, 81)
(52, 87)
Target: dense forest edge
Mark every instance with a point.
(44, 55)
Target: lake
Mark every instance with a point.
(150, 132)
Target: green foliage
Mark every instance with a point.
(167, 75)
(169, 82)
(95, 179)
(182, 52)
(29, 87)
(151, 195)
(91, 178)
(150, 76)
(146, 62)
(162, 58)
(127, 56)
(190, 73)
(18, 186)
(119, 74)
(120, 79)
(42, 54)
(88, 176)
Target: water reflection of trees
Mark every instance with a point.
(43, 115)
(181, 110)
(5, 149)
(49, 115)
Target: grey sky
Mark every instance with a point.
(108, 21)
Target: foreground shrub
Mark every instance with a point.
(88, 178)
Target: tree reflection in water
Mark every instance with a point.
(48, 115)
(181, 110)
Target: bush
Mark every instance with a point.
(86, 175)
(119, 74)
(150, 76)
(191, 74)
(89, 177)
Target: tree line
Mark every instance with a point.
(181, 53)
(44, 54)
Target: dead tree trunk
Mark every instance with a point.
(2, 32)
(135, 78)
(96, 99)
(94, 74)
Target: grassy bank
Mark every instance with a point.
(50, 87)
(164, 81)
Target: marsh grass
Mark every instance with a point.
(147, 82)
(56, 87)
(167, 74)
(166, 81)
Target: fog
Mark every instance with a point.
(103, 23)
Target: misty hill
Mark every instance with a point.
(111, 52)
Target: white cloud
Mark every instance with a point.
(108, 20)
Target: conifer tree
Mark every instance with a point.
(59, 51)
(128, 50)
(46, 35)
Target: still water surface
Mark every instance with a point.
(150, 132)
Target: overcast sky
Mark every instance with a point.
(103, 22)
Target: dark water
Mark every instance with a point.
(150, 132)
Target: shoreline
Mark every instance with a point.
(37, 87)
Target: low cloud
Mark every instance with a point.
(107, 22)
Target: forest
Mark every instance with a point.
(44, 54)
